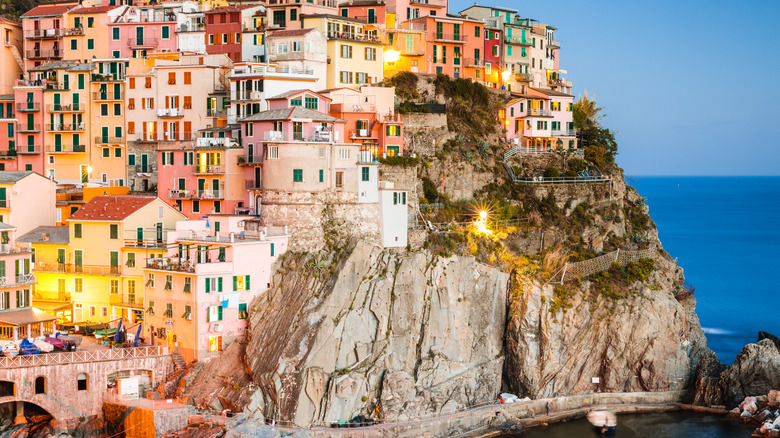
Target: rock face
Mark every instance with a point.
(755, 371)
(421, 333)
(646, 342)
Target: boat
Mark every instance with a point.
(27, 348)
(61, 344)
(106, 333)
(44, 346)
(10, 349)
(75, 340)
(604, 422)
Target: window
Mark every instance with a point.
(297, 175)
(187, 99)
(40, 385)
(117, 152)
(215, 313)
(148, 82)
(169, 282)
(81, 382)
(215, 343)
(113, 231)
(114, 33)
(90, 44)
(346, 51)
(92, 311)
(344, 154)
(293, 14)
(273, 152)
(172, 78)
(365, 173)
(242, 312)
(240, 282)
(117, 109)
(393, 130)
(150, 280)
(187, 313)
(77, 231)
(74, 45)
(103, 109)
(213, 284)
(196, 206)
(187, 79)
(296, 46)
(166, 32)
(477, 32)
(78, 284)
(282, 48)
(187, 284)
(370, 54)
(339, 179)
(296, 102)
(322, 175)
(168, 310)
(312, 103)
(115, 286)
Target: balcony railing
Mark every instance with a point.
(16, 248)
(113, 77)
(108, 95)
(83, 356)
(148, 241)
(146, 42)
(5, 203)
(43, 33)
(182, 28)
(560, 82)
(249, 160)
(206, 169)
(66, 149)
(313, 136)
(518, 40)
(443, 36)
(9, 154)
(537, 112)
(19, 280)
(170, 112)
(251, 184)
(177, 264)
(563, 132)
(139, 168)
(474, 62)
(133, 301)
(109, 140)
(42, 54)
(180, 194)
(214, 142)
(66, 107)
(26, 149)
(74, 31)
(165, 136)
(353, 37)
(70, 268)
(208, 194)
(554, 43)
(28, 106)
(525, 22)
(360, 134)
(65, 127)
(35, 127)
(524, 77)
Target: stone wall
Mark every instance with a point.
(425, 133)
(135, 180)
(307, 215)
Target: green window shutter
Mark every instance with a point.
(395, 198)
(81, 82)
(115, 33)
(322, 175)
(131, 159)
(219, 313)
(74, 45)
(166, 32)
(272, 249)
(2, 268)
(246, 283)
(208, 285)
(235, 282)
(219, 284)
(90, 44)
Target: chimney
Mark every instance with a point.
(45, 237)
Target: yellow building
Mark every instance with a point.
(354, 49)
(86, 32)
(99, 267)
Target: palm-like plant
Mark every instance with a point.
(587, 113)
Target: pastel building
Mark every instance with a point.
(545, 60)
(27, 199)
(404, 10)
(8, 128)
(370, 11)
(224, 28)
(142, 29)
(251, 83)
(167, 103)
(191, 31)
(44, 28)
(540, 121)
(300, 50)
(406, 51)
(86, 34)
(370, 117)
(200, 289)
(288, 14)
(11, 57)
(98, 268)
(28, 98)
(18, 318)
(71, 197)
(355, 51)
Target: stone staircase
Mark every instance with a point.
(167, 389)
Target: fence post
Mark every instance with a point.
(617, 253)
(563, 276)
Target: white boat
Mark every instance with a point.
(44, 346)
(10, 349)
(604, 421)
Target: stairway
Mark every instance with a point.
(509, 170)
(178, 361)
(167, 389)
(17, 55)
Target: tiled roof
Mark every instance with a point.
(4, 226)
(96, 9)
(111, 208)
(11, 22)
(291, 113)
(549, 92)
(286, 94)
(231, 8)
(58, 235)
(40, 11)
(9, 177)
(361, 3)
(53, 65)
(290, 33)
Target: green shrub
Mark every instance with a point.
(577, 165)
(399, 160)
(551, 172)
(429, 190)
(405, 84)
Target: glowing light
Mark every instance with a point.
(89, 169)
(505, 75)
(482, 215)
(481, 224)
(392, 56)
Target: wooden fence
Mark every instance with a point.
(587, 268)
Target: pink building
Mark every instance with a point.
(8, 159)
(28, 98)
(199, 291)
(370, 11)
(18, 318)
(540, 120)
(144, 29)
(44, 28)
(224, 27)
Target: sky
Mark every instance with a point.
(692, 87)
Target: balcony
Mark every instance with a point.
(66, 108)
(28, 106)
(208, 194)
(35, 127)
(436, 3)
(100, 95)
(19, 280)
(220, 114)
(16, 248)
(214, 142)
(170, 112)
(563, 132)
(179, 194)
(208, 169)
(251, 184)
(66, 149)
(5, 203)
(518, 40)
(538, 112)
(524, 22)
(109, 140)
(10, 154)
(70, 268)
(560, 82)
(176, 264)
(328, 3)
(368, 155)
(524, 77)
(65, 127)
(74, 31)
(185, 27)
(44, 33)
(113, 77)
(353, 37)
(554, 44)
(357, 134)
(43, 54)
(123, 300)
(29, 149)
(145, 43)
(311, 136)
(140, 168)
(450, 37)
(250, 160)
(473, 62)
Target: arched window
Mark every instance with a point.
(82, 382)
(40, 385)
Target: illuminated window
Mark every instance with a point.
(215, 343)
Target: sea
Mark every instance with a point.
(725, 233)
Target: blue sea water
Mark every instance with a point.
(725, 232)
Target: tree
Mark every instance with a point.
(586, 112)
(13, 9)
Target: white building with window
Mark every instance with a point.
(301, 50)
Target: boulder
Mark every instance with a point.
(252, 429)
(773, 397)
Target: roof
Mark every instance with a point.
(290, 33)
(111, 208)
(349, 3)
(233, 8)
(291, 113)
(292, 93)
(57, 235)
(4, 226)
(498, 8)
(96, 9)
(335, 17)
(53, 65)
(6, 97)
(549, 92)
(25, 316)
(12, 177)
(11, 22)
(41, 11)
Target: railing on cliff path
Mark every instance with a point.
(592, 266)
(83, 356)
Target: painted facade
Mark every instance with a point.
(16, 191)
(11, 55)
(300, 50)
(225, 27)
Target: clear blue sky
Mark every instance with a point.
(691, 86)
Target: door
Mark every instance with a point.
(61, 258)
(3, 199)
(250, 152)
(78, 260)
(113, 70)
(371, 16)
(139, 36)
(144, 163)
(159, 232)
(215, 187)
(114, 262)
(393, 151)
(56, 101)
(201, 186)
(257, 177)
(139, 236)
(103, 92)
(104, 134)
(58, 143)
(75, 101)
(182, 184)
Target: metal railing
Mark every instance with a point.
(71, 268)
(537, 112)
(43, 33)
(208, 169)
(360, 133)
(19, 280)
(5, 203)
(74, 31)
(248, 159)
(10, 153)
(39, 54)
(108, 95)
(127, 301)
(519, 40)
(29, 149)
(146, 42)
(28, 106)
(208, 194)
(66, 107)
(180, 194)
(35, 127)
(108, 77)
(473, 62)
(313, 136)
(16, 248)
(353, 37)
(554, 43)
(563, 132)
(524, 77)
(443, 36)
(561, 82)
(65, 127)
(109, 140)
(170, 112)
(251, 184)
(83, 356)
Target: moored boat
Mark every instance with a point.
(10, 349)
(604, 422)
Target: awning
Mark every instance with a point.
(52, 306)
(29, 315)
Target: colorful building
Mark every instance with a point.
(71, 197)
(11, 57)
(99, 266)
(27, 199)
(540, 121)
(224, 28)
(44, 29)
(300, 50)
(86, 34)
(400, 11)
(288, 14)
(200, 288)
(143, 29)
(28, 98)
(18, 318)
(8, 128)
(370, 11)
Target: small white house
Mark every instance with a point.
(394, 212)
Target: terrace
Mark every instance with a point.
(66, 108)
(71, 268)
(28, 106)
(65, 127)
(66, 149)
